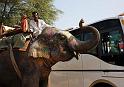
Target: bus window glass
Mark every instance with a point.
(110, 42)
(111, 51)
(78, 37)
(115, 38)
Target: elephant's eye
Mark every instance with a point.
(62, 37)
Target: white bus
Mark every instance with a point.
(101, 67)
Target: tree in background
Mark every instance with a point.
(7, 10)
(11, 10)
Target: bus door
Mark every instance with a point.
(121, 44)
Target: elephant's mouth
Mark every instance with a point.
(67, 53)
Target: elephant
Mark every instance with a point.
(51, 46)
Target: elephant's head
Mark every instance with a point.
(62, 45)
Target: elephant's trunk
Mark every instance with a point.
(84, 46)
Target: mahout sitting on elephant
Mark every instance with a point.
(50, 47)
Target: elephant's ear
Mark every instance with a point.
(39, 50)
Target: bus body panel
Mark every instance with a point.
(91, 78)
(84, 72)
(66, 79)
(122, 22)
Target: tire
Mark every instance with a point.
(102, 85)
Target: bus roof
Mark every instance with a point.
(110, 18)
(97, 23)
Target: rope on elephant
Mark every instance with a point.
(14, 62)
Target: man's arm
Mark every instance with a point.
(31, 29)
(24, 25)
(44, 24)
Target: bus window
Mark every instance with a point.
(110, 42)
(111, 46)
(115, 38)
(78, 37)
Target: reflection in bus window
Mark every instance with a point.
(115, 38)
(110, 46)
(78, 37)
(110, 42)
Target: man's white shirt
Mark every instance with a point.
(37, 29)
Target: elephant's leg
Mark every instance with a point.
(30, 74)
(43, 83)
(30, 81)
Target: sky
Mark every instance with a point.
(90, 10)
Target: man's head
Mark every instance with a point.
(35, 16)
(23, 16)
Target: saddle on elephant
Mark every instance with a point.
(17, 36)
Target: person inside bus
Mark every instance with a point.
(36, 25)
